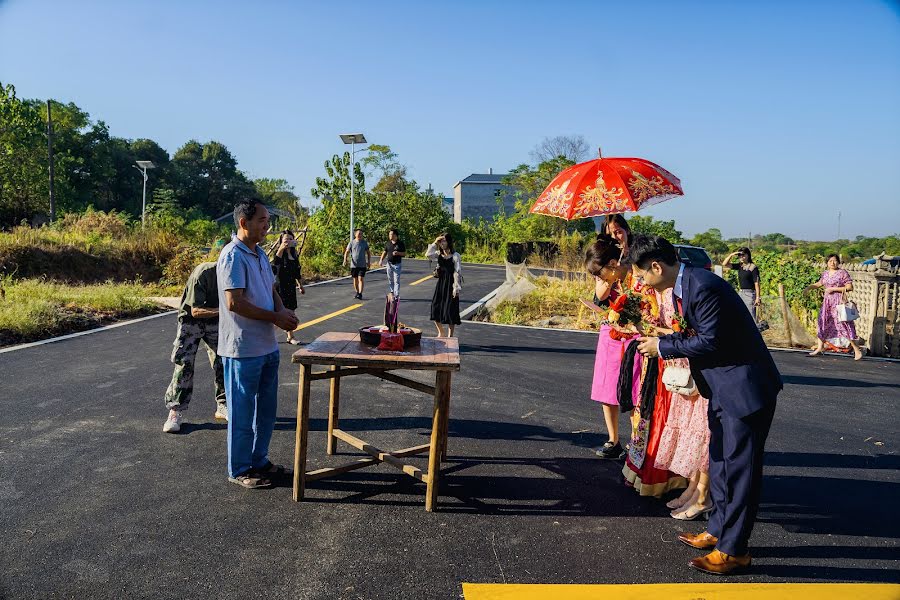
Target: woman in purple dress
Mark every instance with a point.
(831, 330)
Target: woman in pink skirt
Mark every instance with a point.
(602, 262)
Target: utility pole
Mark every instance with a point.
(50, 158)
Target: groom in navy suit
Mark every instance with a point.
(732, 367)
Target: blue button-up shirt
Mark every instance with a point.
(239, 267)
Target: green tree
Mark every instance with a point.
(23, 163)
(206, 177)
(666, 229)
(280, 194)
(712, 241)
(528, 182)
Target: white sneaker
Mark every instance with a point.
(221, 413)
(173, 423)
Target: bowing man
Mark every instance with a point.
(733, 368)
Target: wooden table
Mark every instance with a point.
(346, 356)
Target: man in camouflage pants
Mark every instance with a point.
(198, 319)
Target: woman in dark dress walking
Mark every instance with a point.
(286, 264)
(445, 303)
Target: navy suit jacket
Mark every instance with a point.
(729, 360)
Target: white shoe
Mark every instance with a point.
(221, 413)
(173, 423)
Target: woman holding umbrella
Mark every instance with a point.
(611, 277)
(607, 187)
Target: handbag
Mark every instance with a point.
(847, 311)
(679, 380)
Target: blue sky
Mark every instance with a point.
(775, 115)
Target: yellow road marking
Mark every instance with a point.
(683, 591)
(328, 316)
(426, 278)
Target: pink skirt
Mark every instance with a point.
(607, 364)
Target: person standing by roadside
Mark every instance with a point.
(445, 302)
(394, 251)
(286, 265)
(250, 310)
(840, 334)
(748, 278)
(198, 320)
(360, 257)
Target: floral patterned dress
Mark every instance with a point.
(640, 470)
(830, 329)
(684, 443)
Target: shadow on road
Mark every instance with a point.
(833, 382)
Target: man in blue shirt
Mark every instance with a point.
(250, 309)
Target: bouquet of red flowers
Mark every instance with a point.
(625, 310)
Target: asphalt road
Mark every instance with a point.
(96, 502)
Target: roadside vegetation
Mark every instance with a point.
(97, 260)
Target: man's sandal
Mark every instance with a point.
(272, 469)
(251, 481)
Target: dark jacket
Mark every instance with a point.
(729, 360)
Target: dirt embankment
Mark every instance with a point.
(73, 265)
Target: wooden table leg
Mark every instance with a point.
(445, 434)
(334, 401)
(302, 433)
(437, 428)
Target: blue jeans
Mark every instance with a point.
(393, 274)
(251, 390)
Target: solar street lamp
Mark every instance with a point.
(352, 139)
(142, 166)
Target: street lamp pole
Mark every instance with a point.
(352, 139)
(142, 166)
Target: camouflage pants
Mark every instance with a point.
(187, 343)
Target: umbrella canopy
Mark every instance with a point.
(605, 186)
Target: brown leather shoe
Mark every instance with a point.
(719, 563)
(701, 541)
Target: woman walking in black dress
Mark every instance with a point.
(445, 303)
(286, 265)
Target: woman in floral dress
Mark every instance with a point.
(640, 470)
(684, 443)
(831, 330)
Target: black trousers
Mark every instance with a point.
(736, 447)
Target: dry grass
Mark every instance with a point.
(32, 309)
(555, 299)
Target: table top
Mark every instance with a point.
(345, 349)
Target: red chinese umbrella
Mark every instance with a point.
(606, 186)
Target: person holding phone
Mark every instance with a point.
(286, 265)
(445, 302)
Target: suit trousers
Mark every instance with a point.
(736, 447)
